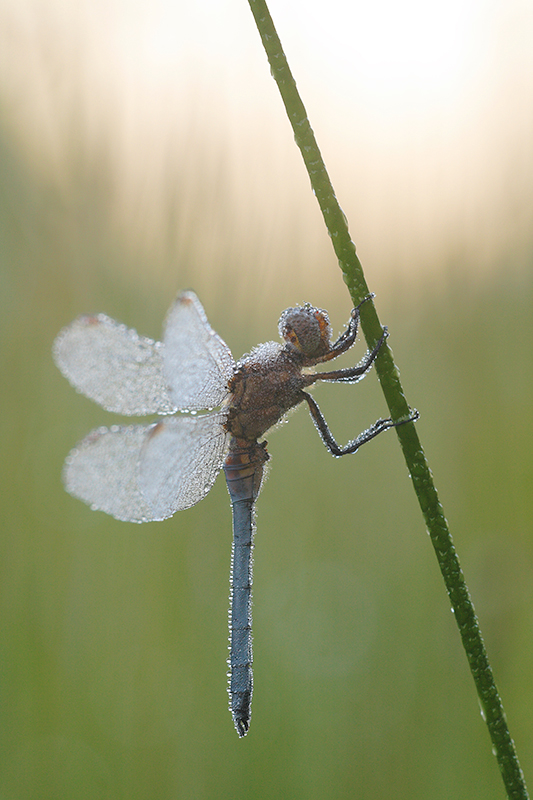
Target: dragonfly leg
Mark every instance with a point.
(346, 339)
(350, 374)
(327, 437)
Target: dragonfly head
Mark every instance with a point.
(306, 330)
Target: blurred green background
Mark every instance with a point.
(144, 151)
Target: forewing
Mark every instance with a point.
(114, 366)
(197, 363)
(102, 471)
(180, 460)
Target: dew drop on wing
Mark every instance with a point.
(102, 471)
(179, 464)
(197, 362)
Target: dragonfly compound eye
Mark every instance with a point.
(307, 329)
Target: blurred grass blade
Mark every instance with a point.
(421, 476)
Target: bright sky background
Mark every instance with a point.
(423, 111)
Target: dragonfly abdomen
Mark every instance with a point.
(244, 471)
(240, 661)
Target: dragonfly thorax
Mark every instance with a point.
(266, 384)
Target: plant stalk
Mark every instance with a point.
(420, 473)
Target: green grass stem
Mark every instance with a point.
(493, 712)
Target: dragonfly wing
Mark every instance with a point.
(114, 366)
(197, 363)
(102, 471)
(180, 460)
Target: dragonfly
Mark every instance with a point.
(141, 473)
